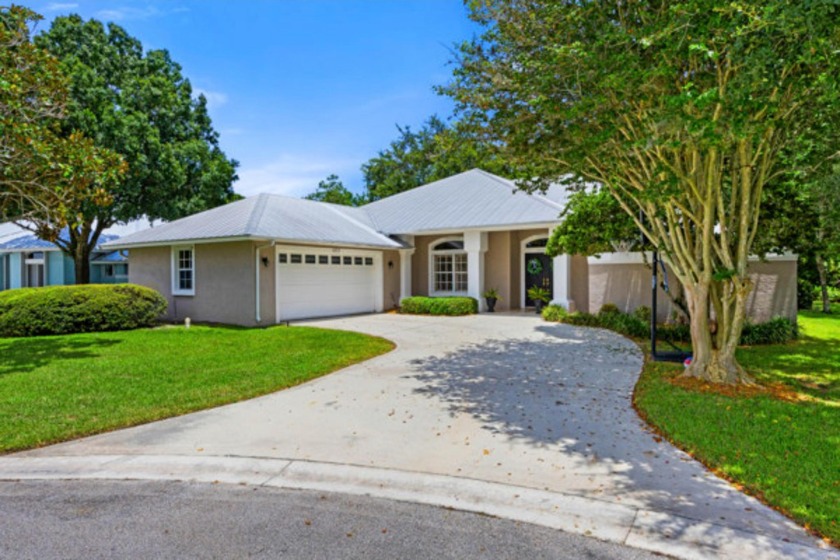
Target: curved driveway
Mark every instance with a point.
(479, 412)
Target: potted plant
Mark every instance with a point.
(540, 296)
(491, 296)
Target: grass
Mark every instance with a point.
(55, 388)
(781, 441)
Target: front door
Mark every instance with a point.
(538, 272)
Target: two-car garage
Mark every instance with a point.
(321, 282)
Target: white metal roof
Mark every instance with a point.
(472, 199)
(469, 200)
(267, 216)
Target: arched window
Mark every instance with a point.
(448, 266)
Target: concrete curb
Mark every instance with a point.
(654, 531)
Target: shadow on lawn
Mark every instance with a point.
(571, 395)
(22, 355)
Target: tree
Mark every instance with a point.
(42, 173)
(139, 105)
(435, 152)
(332, 190)
(593, 222)
(680, 109)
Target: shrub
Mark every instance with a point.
(609, 309)
(675, 332)
(626, 324)
(582, 319)
(554, 313)
(75, 309)
(439, 305)
(805, 294)
(775, 331)
(643, 313)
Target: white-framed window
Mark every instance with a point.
(35, 273)
(183, 270)
(448, 267)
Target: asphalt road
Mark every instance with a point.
(131, 519)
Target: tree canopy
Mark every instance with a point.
(41, 172)
(332, 190)
(434, 152)
(137, 104)
(680, 109)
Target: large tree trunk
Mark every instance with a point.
(826, 302)
(81, 259)
(714, 342)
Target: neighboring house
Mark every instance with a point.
(269, 258)
(27, 261)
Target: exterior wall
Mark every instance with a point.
(497, 269)
(224, 282)
(420, 264)
(4, 274)
(628, 285)
(268, 284)
(15, 270)
(391, 278)
(54, 268)
(579, 289)
(69, 270)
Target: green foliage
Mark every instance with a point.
(419, 305)
(42, 173)
(775, 331)
(138, 104)
(642, 313)
(78, 309)
(55, 388)
(609, 309)
(435, 152)
(492, 293)
(332, 190)
(554, 313)
(593, 222)
(805, 293)
(537, 293)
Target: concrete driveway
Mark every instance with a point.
(502, 414)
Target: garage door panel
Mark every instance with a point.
(320, 290)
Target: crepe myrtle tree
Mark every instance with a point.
(678, 108)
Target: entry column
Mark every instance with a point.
(405, 273)
(475, 244)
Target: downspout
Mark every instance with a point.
(257, 278)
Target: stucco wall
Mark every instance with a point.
(420, 264)
(224, 282)
(391, 279)
(579, 288)
(497, 270)
(629, 286)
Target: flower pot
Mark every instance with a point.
(538, 305)
(491, 304)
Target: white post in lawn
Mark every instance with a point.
(475, 243)
(405, 273)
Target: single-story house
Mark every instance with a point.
(269, 258)
(29, 262)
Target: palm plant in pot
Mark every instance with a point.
(540, 297)
(491, 296)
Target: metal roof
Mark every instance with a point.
(14, 238)
(472, 199)
(268, 216)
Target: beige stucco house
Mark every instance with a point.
(270, 259)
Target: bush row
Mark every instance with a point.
(637, 325)
(76, 309)
(439, 305)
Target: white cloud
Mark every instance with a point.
(60, 6)
(129, 13)
(291, 174)
(215, 99)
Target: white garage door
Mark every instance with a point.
(323, 282)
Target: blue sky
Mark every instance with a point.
(299, 89)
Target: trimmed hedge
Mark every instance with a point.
(775, 331)
(76, 309)
(439, 305)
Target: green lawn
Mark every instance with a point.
(56, 388)
(781, 443)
